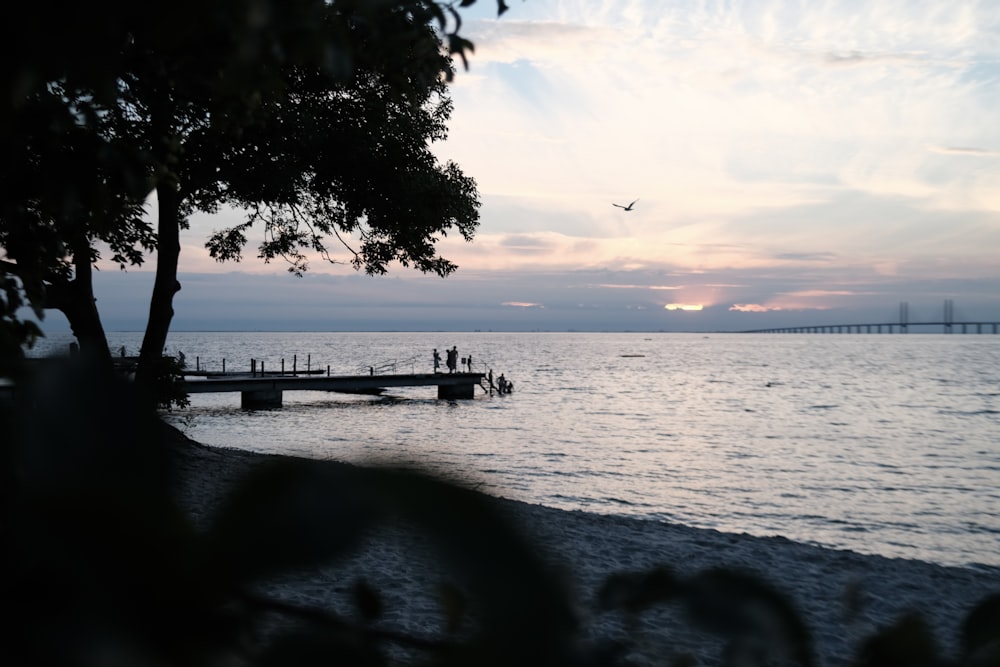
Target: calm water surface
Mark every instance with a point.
(878, 444)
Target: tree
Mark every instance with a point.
(152, 97)
(350, 162)
(321, 154)
(69, 183)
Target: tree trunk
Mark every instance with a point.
(75, 299)
(161, 305)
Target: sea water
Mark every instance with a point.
(880, 444)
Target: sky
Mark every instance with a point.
(791, 163)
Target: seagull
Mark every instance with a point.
(627, 208)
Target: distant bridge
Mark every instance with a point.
(889, 327)
(946, 325)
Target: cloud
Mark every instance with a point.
(511, 40)
(857, 58)
(636, 287)
(806, 256)
(964, 150)
(752, 308)
(819, 292)
(524, 243)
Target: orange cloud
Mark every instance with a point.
(683, 306)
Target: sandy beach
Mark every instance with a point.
(842, 596)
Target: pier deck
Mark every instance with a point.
(259, 391)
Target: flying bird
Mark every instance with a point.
(627, 208)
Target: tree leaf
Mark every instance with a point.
(908, 641)
(289, 514)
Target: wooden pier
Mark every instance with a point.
(265, 391)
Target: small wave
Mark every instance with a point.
(620, 501)
(983, 567)
(854, 529)
(975, 527)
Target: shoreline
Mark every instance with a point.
(824, 584)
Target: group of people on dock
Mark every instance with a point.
(502, 385)
(451, 360)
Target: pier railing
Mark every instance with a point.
(294, 366)
(393, 366)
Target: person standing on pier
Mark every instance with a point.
(453, 359)
(437, 361)
(468, 361)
